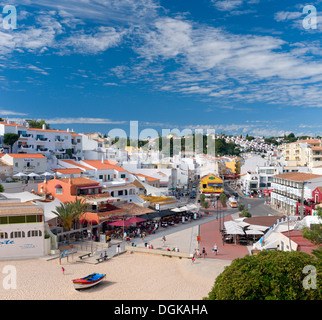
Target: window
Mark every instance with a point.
(3, 220)
(17, 219)
(100, 177)
(17, 234)
(16, 164)
(123, 176)
(120, 193)
(3, 235)
(34, 233)
(59, 191)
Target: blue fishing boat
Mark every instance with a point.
(88, 281)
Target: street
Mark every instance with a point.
(255, 206)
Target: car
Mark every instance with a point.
(192, 195)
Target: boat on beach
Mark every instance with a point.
(88, 281)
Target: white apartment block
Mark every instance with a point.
(303, 153)
(290, 187)
(48, 142)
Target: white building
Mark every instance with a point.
(289, 188)
(49, 142)
(26, 162)
(21, 230)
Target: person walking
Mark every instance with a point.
(118, 249)
(63, 269)
(164, 240)
(215, 249)
(204, 253)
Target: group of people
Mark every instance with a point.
(203, 253)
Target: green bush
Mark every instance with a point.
(270, 275)
(241, 207)
(246, 213)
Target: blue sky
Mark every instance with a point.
(236, 66)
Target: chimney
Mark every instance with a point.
(44, 127)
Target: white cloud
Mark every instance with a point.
(222, 65)
(227, 5)
(11, 113)
(84, 120)
(286, 15)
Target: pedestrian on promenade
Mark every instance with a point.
(204, 253)
(215, 249)
(63, 270)
(118, 249)
(164, 240)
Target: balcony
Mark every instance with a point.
(25, 136)
(42, 150)
(59, 140)
(41, 139)
(60, 151)
(25, 147)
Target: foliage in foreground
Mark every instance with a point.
(270, 275)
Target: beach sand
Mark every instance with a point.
(130, 276)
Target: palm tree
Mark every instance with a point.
(66, 215)
(79, 207)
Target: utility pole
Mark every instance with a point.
(302, 200)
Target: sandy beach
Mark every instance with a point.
(135, 276)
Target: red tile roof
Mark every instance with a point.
(26, 155)
(101, 166)
(297, 176)
(77, 164)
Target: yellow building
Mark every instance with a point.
(234, 165)
(211, 184)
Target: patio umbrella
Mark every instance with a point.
(20, 174)
(135, 220)
(46, 174)
(32, 174)
(252, 231)
(121, 223)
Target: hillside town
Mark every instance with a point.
(128, 198)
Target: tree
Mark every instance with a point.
(79, 207)
(34, 123)
(315, 235)
(223, 198)
(10, 139)
(202, 198)
(66, 215)
(1, 188)
(269, 275)
(246, 213)
(241, 207)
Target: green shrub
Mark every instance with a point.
(270, 275)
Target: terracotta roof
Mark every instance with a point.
(266, 221)
(297, 176)
(147, 177)
(68, 170)
(319, 148)
(304, 245)
(12, 124)
(101, 166)
(309, 141)
(134, 209)
(26, 155)
(48, 130)
(79, 181)
(77, 164)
